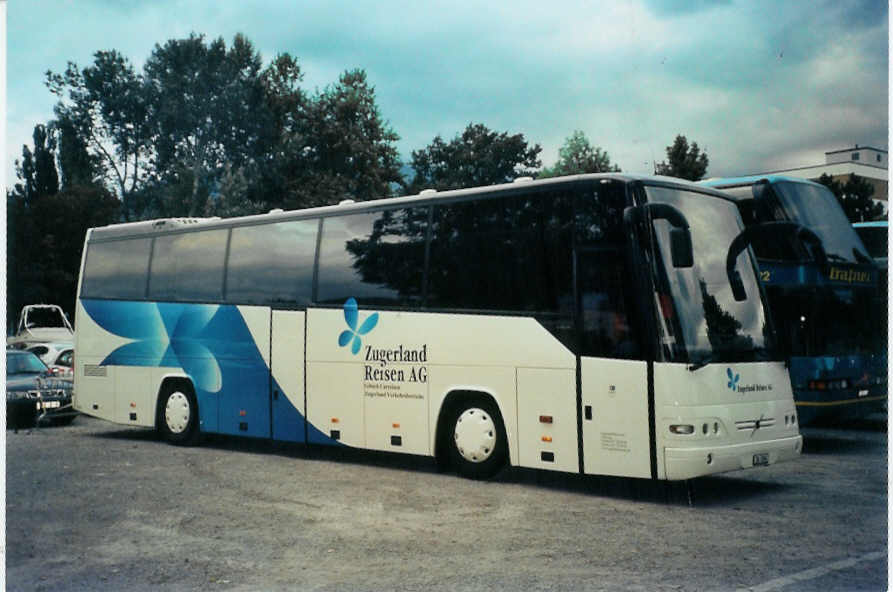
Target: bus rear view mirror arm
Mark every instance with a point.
(681, 250)
(743, 240)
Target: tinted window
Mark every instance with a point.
(272, 263)
(604, 287)
(188, 267)
(376, 257)
(510, 254)
(116, 269)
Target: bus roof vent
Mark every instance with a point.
(427, 191)
(523, 180)
(276, 211)
(346, 202)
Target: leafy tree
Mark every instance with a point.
(206, 129)
(476, 157)
(339, 147)
(685, 162)
(46, 225)
(578, 156)
(854, 197)
(106, 106)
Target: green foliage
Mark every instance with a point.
(577, 156)
(46, 225)
(339, 147)
(476, 157)
(854, 197)
(205, 129)
(685, 162)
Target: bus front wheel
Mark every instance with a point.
(477, 439)
(178, 415)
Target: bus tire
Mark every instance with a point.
(477, 441)
(178, 414)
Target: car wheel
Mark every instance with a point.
(178, 416)
(477, 439)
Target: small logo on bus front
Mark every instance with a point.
(352, 335)
(733, 379)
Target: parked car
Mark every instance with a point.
(58, 356)
(33, 394)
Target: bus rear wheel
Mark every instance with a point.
(477, 439)
(178, 415)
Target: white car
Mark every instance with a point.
(59, 357)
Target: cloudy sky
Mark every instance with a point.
(760, 85)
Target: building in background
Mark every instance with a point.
(866, 162)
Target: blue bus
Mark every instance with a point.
(824, 292)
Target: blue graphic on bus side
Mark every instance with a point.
(733, 379)
(215, 349)
(352, 335)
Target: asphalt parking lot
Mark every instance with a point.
(96, 506)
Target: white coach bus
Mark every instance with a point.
(599, 324)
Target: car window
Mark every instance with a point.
(39, 350)
(64, 358)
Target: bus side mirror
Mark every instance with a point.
(738, 291)
(681, 250)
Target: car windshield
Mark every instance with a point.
(48, 317)
(23, 363)
(698, 315)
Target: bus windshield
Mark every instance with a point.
(698, 315)
(816, 208)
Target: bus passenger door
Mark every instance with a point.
(613, 375)
(287, 382)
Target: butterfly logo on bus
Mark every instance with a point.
(353, 334)
(733, 379)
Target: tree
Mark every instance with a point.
(476, 157)
(339, 147)
(685, 162)
(46, 225)
(578, 156)
(854, 197)
(105, 106)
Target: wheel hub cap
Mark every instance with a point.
(177, 413)
(475, 435)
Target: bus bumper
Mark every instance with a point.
(688, 463)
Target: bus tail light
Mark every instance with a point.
(682, 429)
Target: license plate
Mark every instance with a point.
(48, 405)
(761, 460)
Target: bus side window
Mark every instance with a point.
(607, 331)
(188, 267)
(376, 257)
(272, 263)
(511, 254)
(118, 269)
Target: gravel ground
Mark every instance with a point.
(95, 506)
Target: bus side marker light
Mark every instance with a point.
(132, 405)
(545, 419)
(395, 425)
(547, 438)
(242, 413)
(334, 420)
(682, 429)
